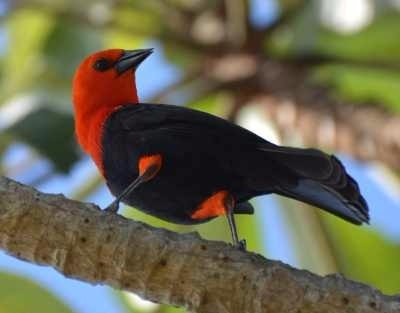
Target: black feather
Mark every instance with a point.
(203, 154)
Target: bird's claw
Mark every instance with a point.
(241, 245)
(113, 207)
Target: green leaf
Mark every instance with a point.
(21, 295)
(51, 133)
(365, 255)
(362, 84)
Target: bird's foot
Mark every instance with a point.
(113, 207)
(241, 245)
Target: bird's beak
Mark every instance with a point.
(131, 59)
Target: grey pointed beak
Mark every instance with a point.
(131, 59)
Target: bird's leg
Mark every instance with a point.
(220, 203)
(113, 207)
(230, 205)
(148, 168)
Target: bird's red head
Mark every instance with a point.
(103, 81)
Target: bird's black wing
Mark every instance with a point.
(322, 181)
(182, 120)
(307, 175)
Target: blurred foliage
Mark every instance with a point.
(53, 136)
(365, 255)
(21, 295)
(217, 104)
(362, 67)
(47, 39)
(22, 63)
(60, 51)
(362, 84)
(311, 246)
(378, 42)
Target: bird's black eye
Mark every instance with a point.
(102, 65)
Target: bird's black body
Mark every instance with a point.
(203, 154)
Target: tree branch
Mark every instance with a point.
(85, 243)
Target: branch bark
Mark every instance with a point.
(83, 242)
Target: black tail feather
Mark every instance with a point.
(322, 181)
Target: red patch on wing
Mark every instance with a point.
(150, 162)
(215, 205)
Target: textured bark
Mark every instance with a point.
(83, 242)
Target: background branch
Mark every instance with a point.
(83, 242)
(297, 105)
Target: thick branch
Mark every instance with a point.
(81, 241)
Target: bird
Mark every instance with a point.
(187, 166)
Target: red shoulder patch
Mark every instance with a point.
(215, 205)
(150, 165)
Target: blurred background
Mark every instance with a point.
(306, 73)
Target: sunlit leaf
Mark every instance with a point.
(21, 295)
